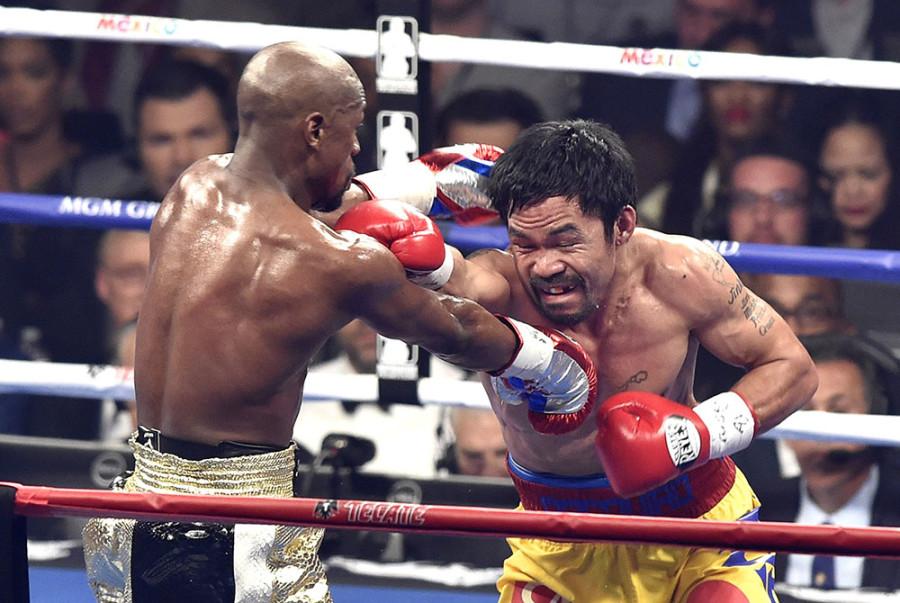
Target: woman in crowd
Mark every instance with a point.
(857, 171)
(735, 113)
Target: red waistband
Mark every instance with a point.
(689, 495)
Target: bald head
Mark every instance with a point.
(290, 80)
(299, 109)
(480, 448)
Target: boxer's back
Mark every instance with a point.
(240, 295)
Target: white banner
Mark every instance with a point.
(560, 56)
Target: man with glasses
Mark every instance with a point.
(767, 197)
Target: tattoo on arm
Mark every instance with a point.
(715, 265)
(735, 292)
(757, 312)
(638, 377)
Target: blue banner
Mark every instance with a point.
(835, 262)
(87, 212)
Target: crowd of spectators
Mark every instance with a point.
(746, 161)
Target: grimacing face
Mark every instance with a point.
(562, 258)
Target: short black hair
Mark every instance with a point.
(177, 79)
(577, 159)
(779, 146)
(60, 50)
(875, 363)
(484, 105)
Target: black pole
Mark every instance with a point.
(13, 550)
(404, 103)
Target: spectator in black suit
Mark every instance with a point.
(840, 483)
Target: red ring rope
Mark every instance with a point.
(570, 527)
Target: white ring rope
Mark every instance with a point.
(815, 595)
(101, 381)
(226, 35)
(249, 37)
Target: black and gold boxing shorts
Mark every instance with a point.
(137, 561)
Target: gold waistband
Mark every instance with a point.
(270, 474)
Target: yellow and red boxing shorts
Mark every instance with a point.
(544, 571)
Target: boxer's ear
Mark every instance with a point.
(314, 129)
(625, 224)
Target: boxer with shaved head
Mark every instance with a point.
(245, 286)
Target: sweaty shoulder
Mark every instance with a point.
(199, 186)
(364, 266)
(496, 260)
(685, 273)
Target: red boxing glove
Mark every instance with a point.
(644, 440)
(410, 235)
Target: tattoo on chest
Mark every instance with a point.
(638, 377)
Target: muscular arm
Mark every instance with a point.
(459, 331)
(484, 277)
(740, 328)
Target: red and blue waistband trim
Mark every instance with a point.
(689, 495)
